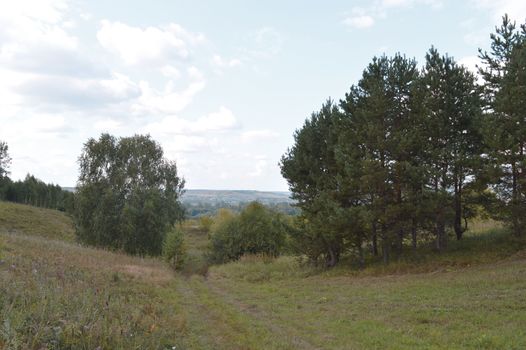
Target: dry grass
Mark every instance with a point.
(36, 221)
(55, 294)
(59, 295)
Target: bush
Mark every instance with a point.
(205, 223)
(174, 250)
(256, 230)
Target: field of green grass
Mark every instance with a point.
(56, 294)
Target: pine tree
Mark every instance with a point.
(382, 124)
(505, 136)
(310, 168)
(451, 112)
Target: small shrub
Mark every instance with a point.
(174, 251)
(205, 223)
(257, 230)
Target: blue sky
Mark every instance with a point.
(222, 85)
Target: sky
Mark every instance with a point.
(221, 85)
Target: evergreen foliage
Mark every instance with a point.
(504, 73)
(33, 191)
(174, 250)
(412, 153)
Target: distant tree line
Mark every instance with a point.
(410, 154)
(31, 190)
(35, 192)
(197, 209)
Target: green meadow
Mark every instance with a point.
(57, 294)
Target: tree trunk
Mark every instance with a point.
(400, 238)
(332, 258)
(458, 210)
(375, 239)
(514, 199)
(385, 251)
(361, 256)
(413, 234)
(400, 241)
(441, 241)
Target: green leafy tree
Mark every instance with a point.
(127, 194)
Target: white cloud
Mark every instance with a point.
(48, 123)
(195, 74)
(167, 101)
(471, 63)
(85, 16)
(359, 22)
(362, 18)
(258, 135)
(27, 133)
(183, 144)
(67, 76)
(171, 72)
(515, 9)
(106, 125)
(396, 3)
(77, 92)
(136, 45)
(220, 62)
(48, 11)
(409, 3)
(27, 23)
(476, 38)
(259, 168)
(268, 42)
(219, 121)
(34, 37)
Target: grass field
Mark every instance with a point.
(36, 221)
(56, 294)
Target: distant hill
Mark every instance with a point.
(234, 197)
(231, 197)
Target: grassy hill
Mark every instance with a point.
(35, 221)
(57, 294)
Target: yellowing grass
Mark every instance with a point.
(55, 294)
(36, 221)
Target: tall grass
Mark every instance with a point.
(36, 221)
(54, 295)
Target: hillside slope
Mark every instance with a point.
(57, 294)
(35, 221)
